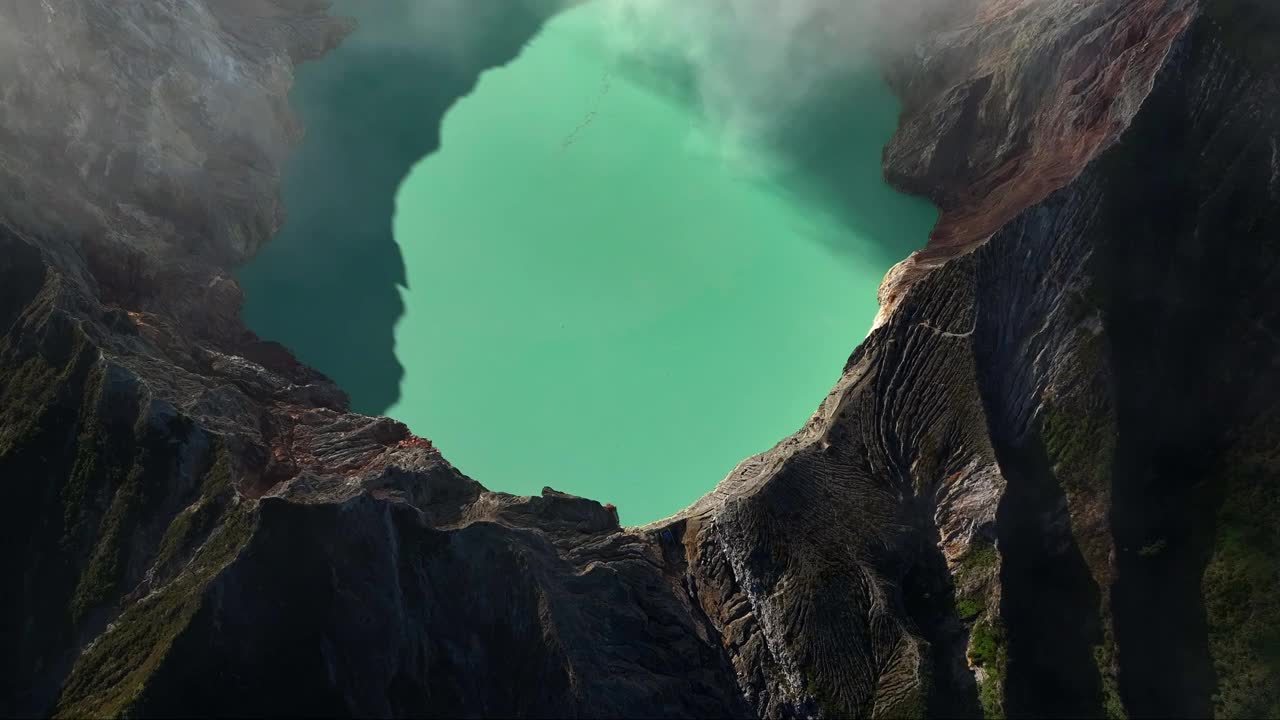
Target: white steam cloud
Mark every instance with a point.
(762, 68)
(752, 65)
(749, 59)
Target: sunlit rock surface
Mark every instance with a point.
(1043, 435)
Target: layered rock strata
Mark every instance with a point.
(1068, 409)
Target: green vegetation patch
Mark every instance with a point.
(188, 528)
(1241, 583)
(191, 526)
(969, 608)
(1104, 659)
(988, 649)
(29, 392)
(106, 566)
(973, 574)
(91, 446)
(977, 564)
(152, 468)
(218, 478)
(111, 675)
(1079, 438)
(1078, 428)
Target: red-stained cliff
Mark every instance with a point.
(1009, 100)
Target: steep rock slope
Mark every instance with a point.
(1045, 431)
(1007, 102)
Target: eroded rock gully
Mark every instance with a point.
(1068, 408)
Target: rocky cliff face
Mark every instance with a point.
(1045, 484)
(1009, 101)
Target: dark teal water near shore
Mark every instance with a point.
(603, 291)
(325, 286)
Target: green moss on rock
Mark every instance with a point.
(151, 470)
(189, 527)
(29, 392)
(1079, 437)
(89, 445)
(974, 574)
(186, 530)
(977, 564)
(1242, 580)
(1104, 659)
(969, 608)
(988, 649)
(1078, 427)
(111, 675)
(218, 478)
(106, 565)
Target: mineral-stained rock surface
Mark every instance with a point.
(1045, 484)
(1007, 103)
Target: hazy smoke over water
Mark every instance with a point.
(751, 66)
(756, 68)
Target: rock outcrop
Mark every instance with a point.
(1009, 102)
(1044, 485)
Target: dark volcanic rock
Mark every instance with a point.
(1009, 101)
(1044, 485)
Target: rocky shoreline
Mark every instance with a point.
(1069, 407)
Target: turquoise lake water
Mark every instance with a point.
(599, 293)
